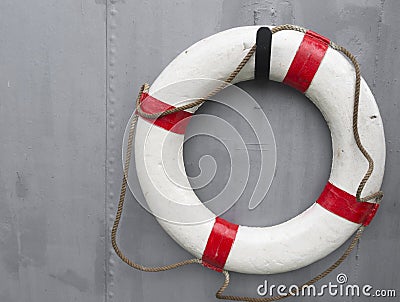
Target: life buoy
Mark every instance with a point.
(302, 60)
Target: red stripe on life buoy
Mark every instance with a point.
(174, 122)
(346, 205)
(219, 244)
(306, 61)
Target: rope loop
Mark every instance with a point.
(377, 196)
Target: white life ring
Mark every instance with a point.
(327, 78)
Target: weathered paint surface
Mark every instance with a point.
(69, 77)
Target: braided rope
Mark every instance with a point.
(122, 195)
(200, 101)
(326, 272)
(139, 112)
(377, 195)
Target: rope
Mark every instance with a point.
(145, 87)
(131, 134)
(377, 195)
(326, 272)
(200, 101)
(122, 195)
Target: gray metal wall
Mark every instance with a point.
(69, 73)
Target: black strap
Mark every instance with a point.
(263, 53)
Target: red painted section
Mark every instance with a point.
(174, 122)
(346, 205)
(219, 244)
(306, 61)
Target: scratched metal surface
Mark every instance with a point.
(69, 76)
